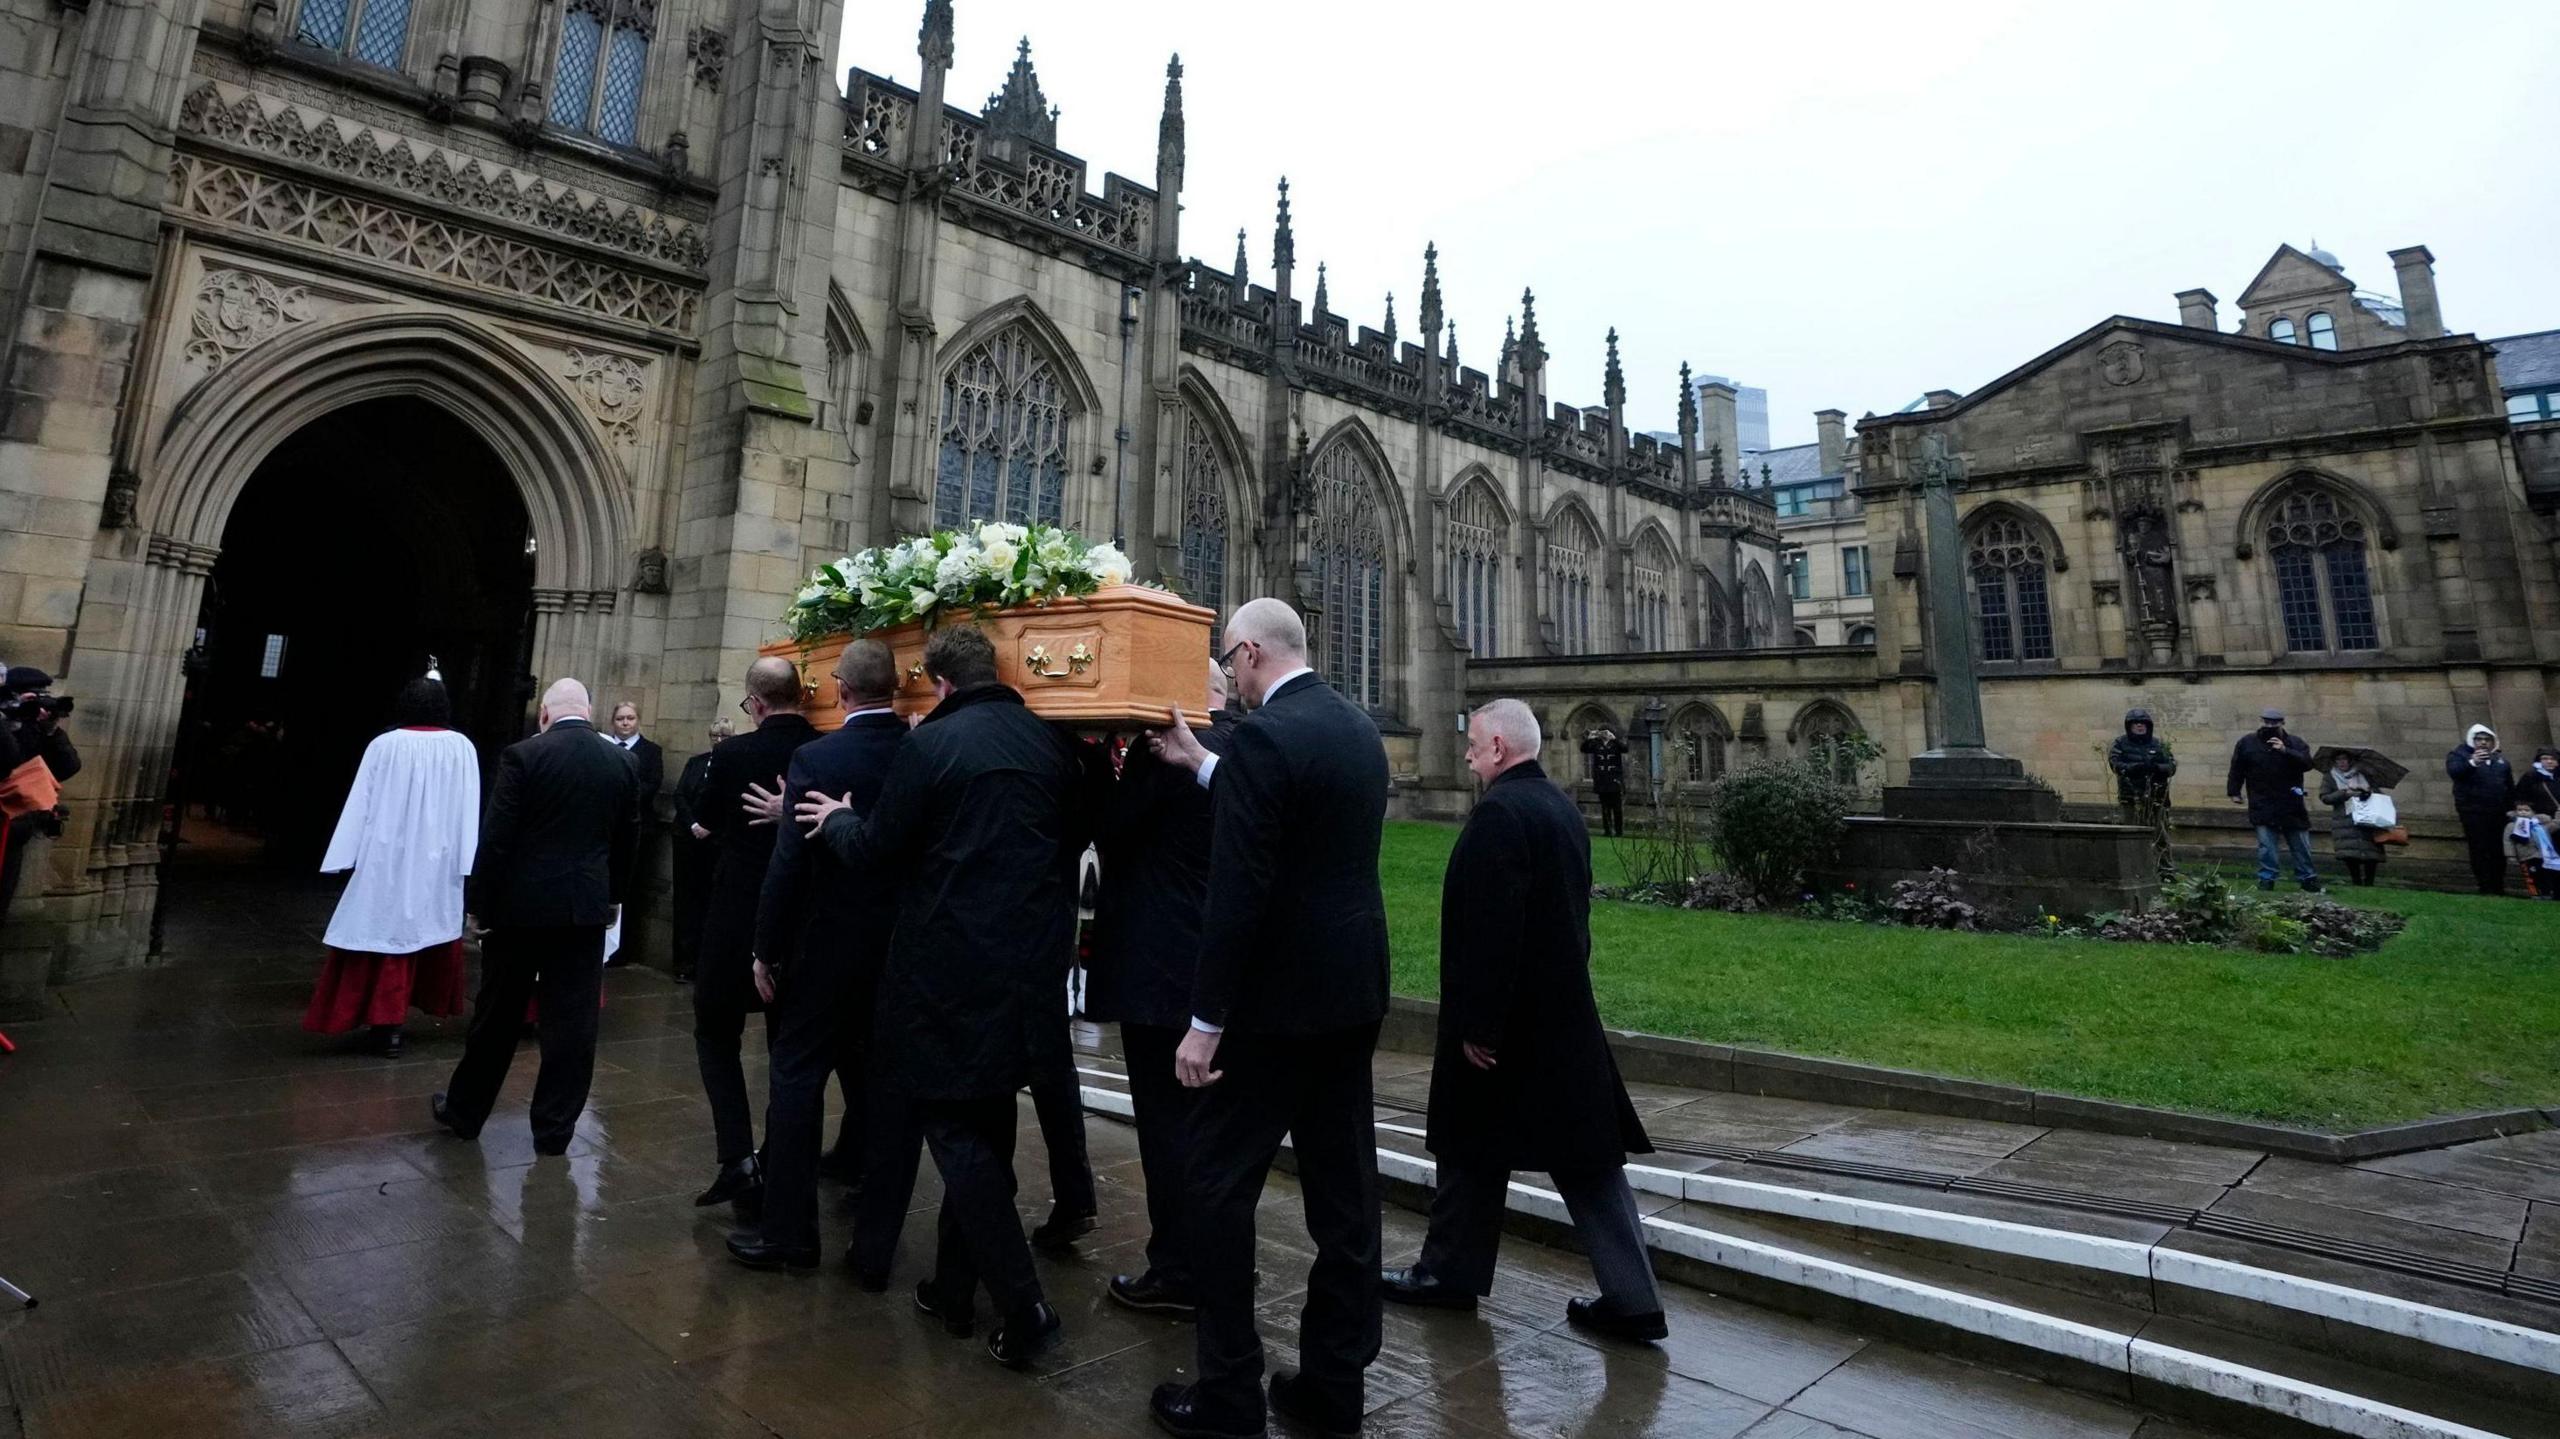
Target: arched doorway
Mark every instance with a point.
(376, 536)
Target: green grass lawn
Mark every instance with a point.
(2460, 1012)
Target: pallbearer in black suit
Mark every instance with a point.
(1146, 954)
(1522, 1077)
(724, 977)
(821, 930)
(976, 827)
(555, 852)
(1284, 1014)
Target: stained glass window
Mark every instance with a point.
(2013, 614)
(1573, 552)
(1349, 550)
(324, 23)
(1479, 538)
(1204, 515)
(2324, 590)
(1004, 435)
(603, 60)
(1649, 577)
(1759, 609)
(374, 31)
(573, 81)
(1699, 737)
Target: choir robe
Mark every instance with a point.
(409, 832)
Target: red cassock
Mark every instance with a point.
(381, 988)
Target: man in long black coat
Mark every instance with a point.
(2267, 766)
(978, 829)
(821, 931)
(1284, 1015)
(1522, 1076)
(724, 978)
(1146, 953)
(1609, 777)
(695, 853)
(555, 854)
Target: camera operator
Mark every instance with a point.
(32, 715)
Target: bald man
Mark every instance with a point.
(724, 988)
(554, 858)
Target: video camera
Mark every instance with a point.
(29, 708)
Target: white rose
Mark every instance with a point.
(999, 554)
(921, 599)
(1108, 565)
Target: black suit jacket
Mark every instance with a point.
(760, 756)
(815, 909)
(1155, 883)
(556, 842)
(1295, 938)
(979, 825)
(1515, 977)
(650, 763)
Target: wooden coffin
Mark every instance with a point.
(1116, 659)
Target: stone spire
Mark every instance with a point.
(1169, 130)
(1533, 355)
(1688, 430)
(1613, 378)
(1322, 304)
(933, 42)
(1391, 322)
(1431, 311)
(1244, 281)
(1019, 110)
(1452, 360)
(1284, 244)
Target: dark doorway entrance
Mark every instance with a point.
(377, 536)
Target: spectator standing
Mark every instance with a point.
(2267, 767)
(1608, 777)
(2143, 764)
(697, 854)
(2354, 845)
(2538, 794)
(2483, 799)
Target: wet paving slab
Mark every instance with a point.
(237, 1228)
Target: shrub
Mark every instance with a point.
(1774, 820)
(1721, 892)
(1935, 901)
(2332, 928)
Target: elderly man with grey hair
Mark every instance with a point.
(1522, 1077)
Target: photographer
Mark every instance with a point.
(2269, 765)
(33, 717)
(1608, 777)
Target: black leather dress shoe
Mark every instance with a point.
(1412, 1286)
(1177, 1411)
(929, 1303)
(1020, 1339)
(443, 1112)
(1063, 1228)
(1289, 1396)
(1149, 1295)
(550, 1148)
(1642, 1328)
(755, 1252)
(734, 1180)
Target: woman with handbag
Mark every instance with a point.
(2354, 844)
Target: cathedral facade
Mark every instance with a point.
(562, 339)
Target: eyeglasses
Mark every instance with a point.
(1227, 661)
(742, 708)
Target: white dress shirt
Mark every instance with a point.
(1209, 767)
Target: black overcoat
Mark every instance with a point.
(1155, 884)
(979, 825)
(1515, 977)
(693, 860)
(2271, 778)
(761, 756)
(2487, 788)
(556, 841)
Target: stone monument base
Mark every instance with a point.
(2036, 867)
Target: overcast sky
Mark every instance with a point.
(1845, 204)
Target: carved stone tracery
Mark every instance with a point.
(612, 388)
(236, 311)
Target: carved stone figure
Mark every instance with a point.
(2151, 562)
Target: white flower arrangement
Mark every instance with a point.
(985, 567)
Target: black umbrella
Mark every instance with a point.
(2385, 772)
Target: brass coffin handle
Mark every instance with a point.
(1078, 660)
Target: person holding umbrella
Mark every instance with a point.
(2345, 788)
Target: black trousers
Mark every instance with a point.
(2485, 835)
(979, 1236)
(814, 1005)
(1163, 1110)
(1467, 1209)
(1316, 1090)
(892, 1147)
(1057, 1097)
(563, 967)
(723, 992)
(1613, 811)
(694, 859)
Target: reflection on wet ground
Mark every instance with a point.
(239, 1228)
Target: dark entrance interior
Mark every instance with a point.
(378, 535)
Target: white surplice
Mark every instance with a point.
(409, 831)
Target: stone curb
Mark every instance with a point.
(1720, 1069)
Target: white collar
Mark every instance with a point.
(874, 710)
(1274, 687)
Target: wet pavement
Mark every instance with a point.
(238, 1228)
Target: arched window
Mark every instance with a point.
(374, 31)
(1004, 435)
(1759, 609)
(1699, 741)
(2013, 619)
(1649, 593)
(2323, 587)
(1350, 554)
(1805, 637)
(1825, 724)
(1862, 634)
(2324, 331)
(1573, 559)
(844, 376)
(2280, 330)
(604, 55)
(1204, 514)
(1479, 547)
